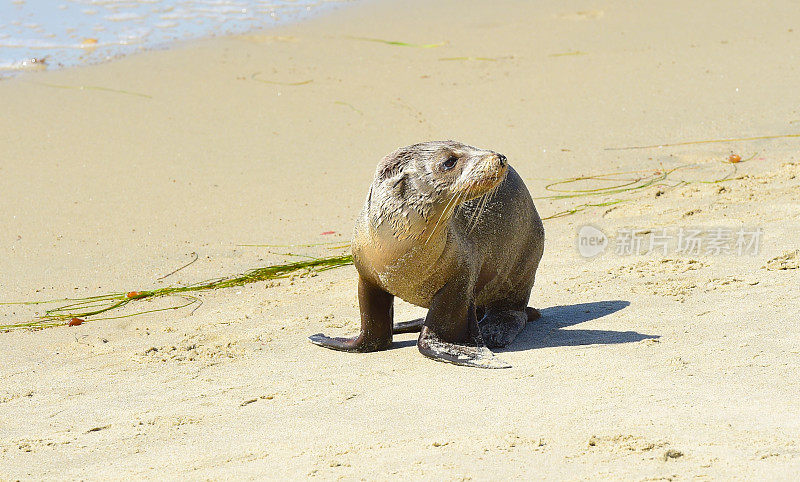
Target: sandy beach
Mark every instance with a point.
(645, 365)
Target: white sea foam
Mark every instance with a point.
(44, 33)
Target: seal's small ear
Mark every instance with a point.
(390, 165)
(397, 183)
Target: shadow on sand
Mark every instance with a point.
(548, 331)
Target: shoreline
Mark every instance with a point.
(43, 51)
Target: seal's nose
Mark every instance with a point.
(502, 159)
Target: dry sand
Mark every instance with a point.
(642, 367)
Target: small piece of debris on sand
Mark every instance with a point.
(788, 260)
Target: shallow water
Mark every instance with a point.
(45, 34)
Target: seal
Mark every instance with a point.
(452, 228)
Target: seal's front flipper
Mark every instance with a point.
(413, 326)
(472, 356)
(451, 331)
(376, 322)
(356, 344)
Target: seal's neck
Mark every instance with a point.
(409, 227)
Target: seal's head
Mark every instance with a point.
(417, 188)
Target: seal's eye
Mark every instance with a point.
(450, 163)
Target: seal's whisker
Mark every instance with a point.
(476, 214)
(493, 192)
(469, 187)
(461, 198)
(495, 189)
(485, 200)
(481, 207)
(441, 215)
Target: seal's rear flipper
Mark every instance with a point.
(533, 313)
(499, 328)
(413, 326)
(471, 356)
